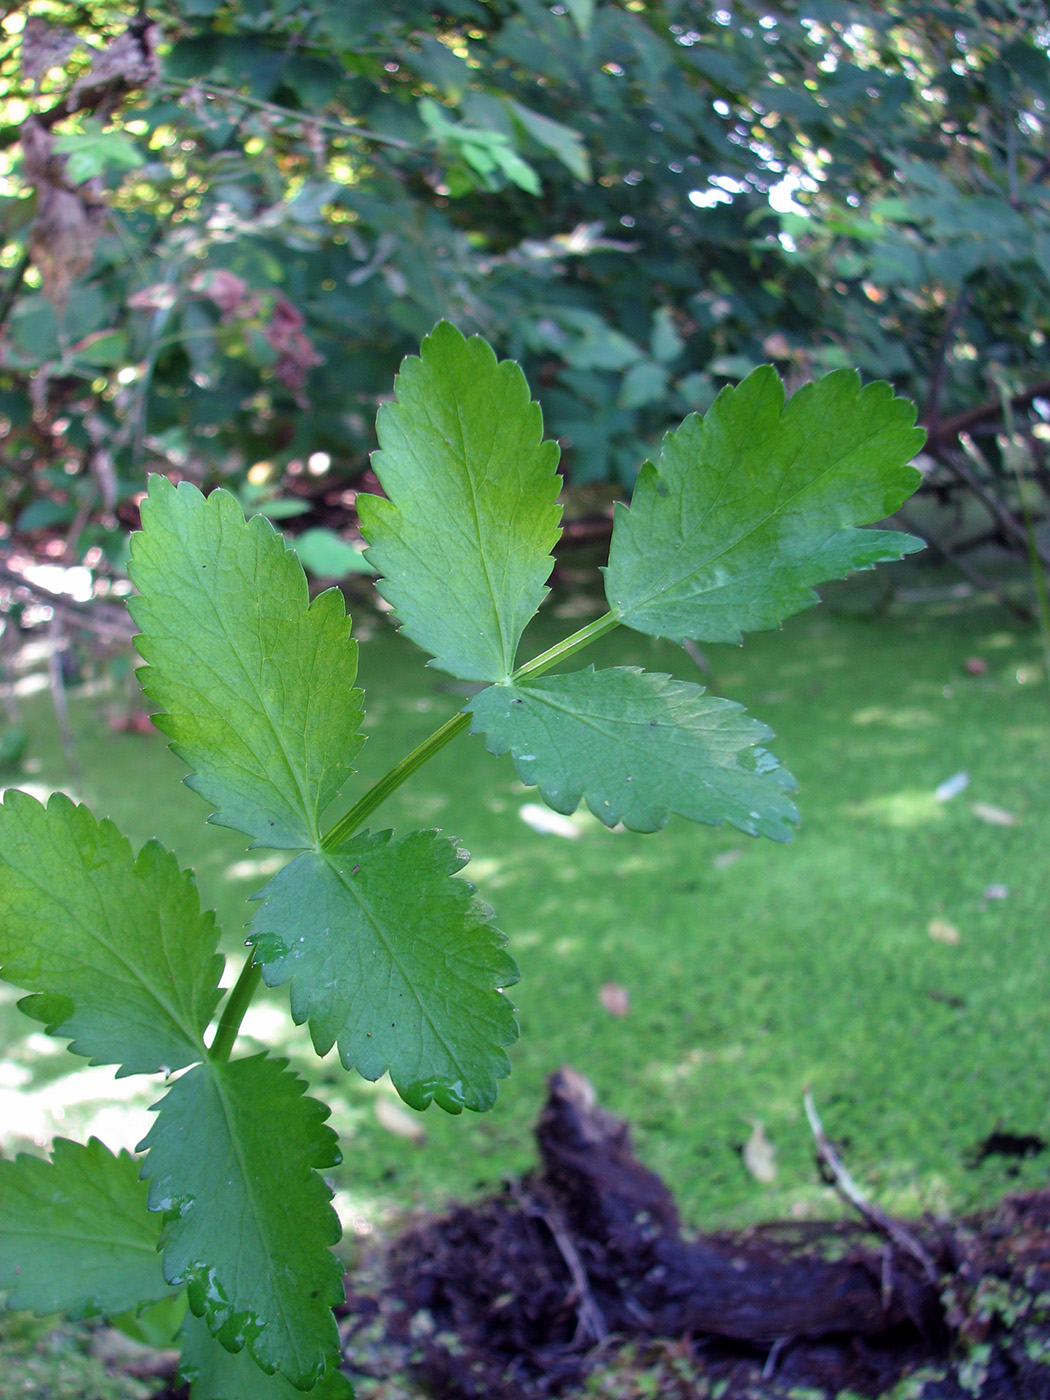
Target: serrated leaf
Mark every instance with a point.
(114, 948)
(397, 961)
(751, 506)
(636, 746)
(75, 1233)
(256, 682)
(213, 1373)
(464, 539)
(232, 1159)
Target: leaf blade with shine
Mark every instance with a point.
(750, 507)
(464, 538)
(397, 961)
(638, 745)
(75, 1234)
(114, 949)
(256, 682)
(233, 1163)
(213, 1373)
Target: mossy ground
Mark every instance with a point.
(753, 970)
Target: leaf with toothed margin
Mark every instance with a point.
(637, 746)
(255, 681)
(750, 507)
(113, 947)
(75, 1234)
(395, 959)
(464, 538)
(213, 1373)
(233, 1163)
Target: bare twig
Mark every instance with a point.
(58, 696)
(980, 581)
(851, 1192)
(589, 1314)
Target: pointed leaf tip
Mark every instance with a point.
(396, 960)
(463, 539)
(256, 682)
(637, 746)
(751, 506)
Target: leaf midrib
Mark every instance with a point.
(681, 583)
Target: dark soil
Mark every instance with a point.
(520, 1296)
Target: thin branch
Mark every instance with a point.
(13, 286)
(932, 412)
(972, 575)
(1009, 523)
(285, 114)
(851, 1192)
(948, 429)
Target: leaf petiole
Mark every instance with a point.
(245, 986)
(233, 1012)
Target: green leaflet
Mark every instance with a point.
(256, 682)
(397, 961)
(464, 540)
(232, 1159)
(75, 1234)
(114, 948)
(750, 507)
(213, 1373)
(637, 745)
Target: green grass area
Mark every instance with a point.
(753, 970)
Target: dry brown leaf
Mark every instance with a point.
(995, 816)
(759, 1154)
(941, 931)
(400, 1121)
(615, 999)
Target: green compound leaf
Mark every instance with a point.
(256, 681)
(213, 1373)
(75, 1234)
(750, 507)
(637, 746)
(464, 540)
(114, 948)
(397, 961)
(232, 1160)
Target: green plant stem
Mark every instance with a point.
(237, 1004)
(391, 781)
(245, 987)
(561, 650)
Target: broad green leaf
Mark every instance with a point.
(751, 506)
(397, 961)
(232, 1160)
(562, 141)
(75, 1233)
(213, 1373)
(464, 540)
(256, 681)
(114, 948)
(636, 746)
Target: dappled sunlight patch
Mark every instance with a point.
(88, 1102)
(911, 807)
(902, 717)
(259, 868)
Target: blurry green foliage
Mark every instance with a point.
(229, 223)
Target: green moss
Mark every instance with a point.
(42, 1361)
(753, 970)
